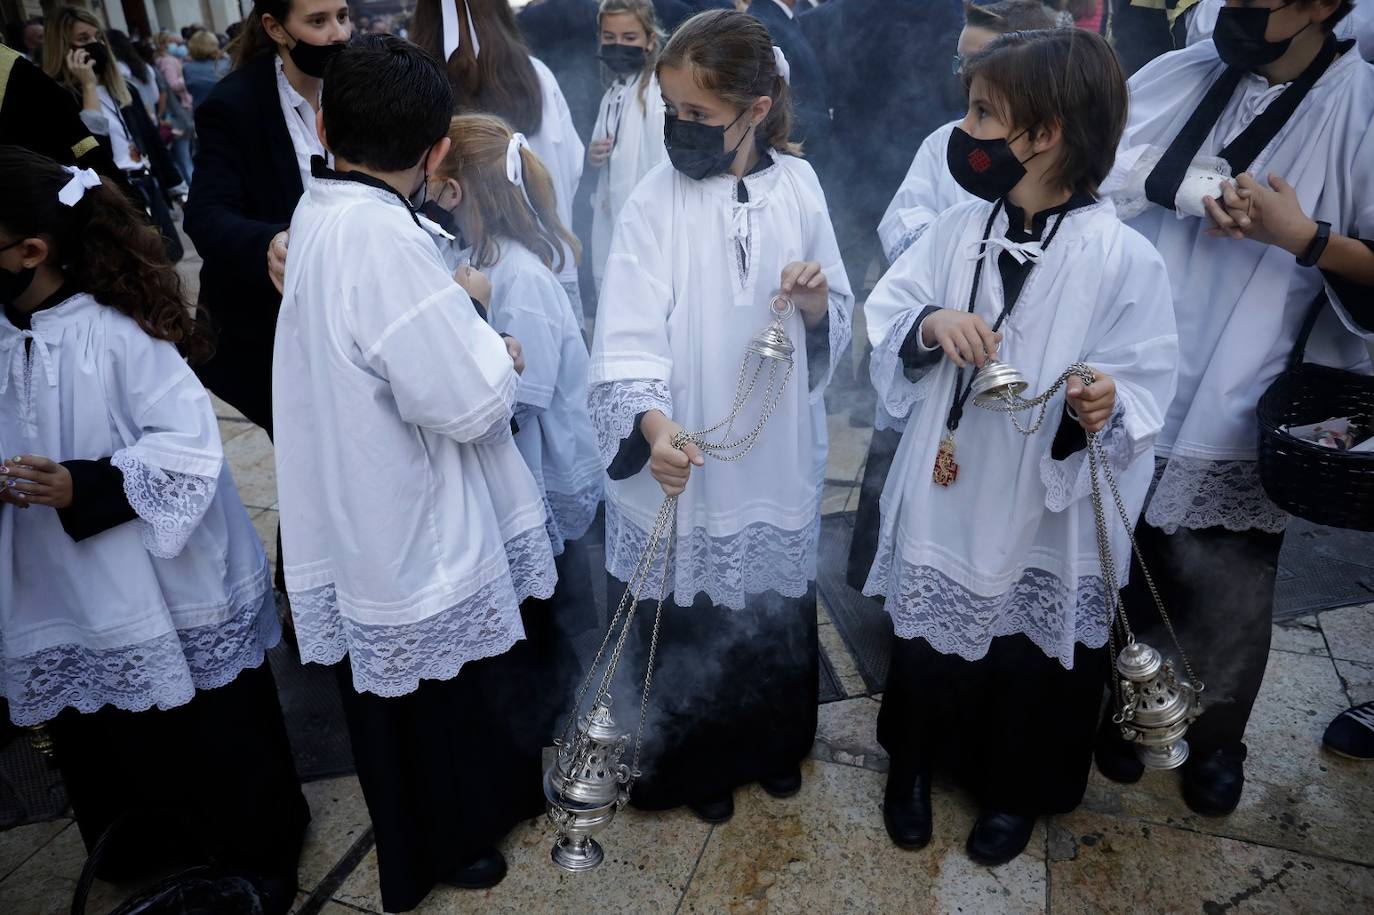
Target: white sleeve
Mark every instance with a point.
(1361, 183)
(925, 193)
(825, 250)
(892, 309)
(449, 372)
(529, 312)
(172, 458)
(558, 126)
(1202, 20)
(1137, 344)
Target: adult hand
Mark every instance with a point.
(1092, 403)
(670, 466)
(805, 284)
(34, 480)
(963, 336)
(82, 67)
(599, 152)
(276, 259)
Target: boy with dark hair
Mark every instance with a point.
(990, 565)
(411, 527)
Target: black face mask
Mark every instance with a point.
(100, 56)
(984, 168)
(441, 217)
(698, 150)
(13, 285)
(312, 59)
(623, 59)
(1240, 41)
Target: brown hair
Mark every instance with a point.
(203, 46)
(643, 10)
(253, 39)
(477, 160)
(1010, 16)
(103, 245)
(57, 41)
(731, 54)
(502, 80)
(1064, 77)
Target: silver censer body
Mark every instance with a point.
(587, 783)
(1154, 706)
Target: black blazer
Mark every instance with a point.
(245, 189)
(810, 108)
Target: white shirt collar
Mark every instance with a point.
(300, 124)
(786, 9)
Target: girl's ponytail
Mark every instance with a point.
(104, 246)
(543, 199)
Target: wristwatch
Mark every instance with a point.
(1314, 250)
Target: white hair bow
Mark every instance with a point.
(783, 67)
(452, 33)
(82, 179)
(515, 167)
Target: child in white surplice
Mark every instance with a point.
(992, 576)
(627, 140)
(412, 529)
(702, 247)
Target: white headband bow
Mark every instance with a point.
(783, 67)
(82, 180)
(452, 33)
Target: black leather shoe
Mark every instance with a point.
(1212, 783)
(481, 873)
(999, 837)
(783, 785)
(906, 809)
(1115, 755)
(715, 810)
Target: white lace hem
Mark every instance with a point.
(568, 516)
(170, 505)
(165, 671)
(925, 603)
(614, 405)
(897, 394)
(392, 660)
(726, 569)
(1197, 493)
(1070, 480)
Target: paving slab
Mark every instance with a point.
(1350, 633)
(19, 844)
(254, 467)
(1302, 635)
(1359, 685)
(847, 734)
(43, 885)
(848, 448)
(1103, 864)
(338, 818)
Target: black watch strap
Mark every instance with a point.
(1317, 247)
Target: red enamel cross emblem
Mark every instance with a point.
(979, 161)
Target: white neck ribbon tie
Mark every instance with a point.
(21, 370)
(1022, 252)
(82, 180)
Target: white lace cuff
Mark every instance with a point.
(897, 394)
(169, 504)
(1069, 480)
(1197, 493)
(726, 569)
(925, 603)
(838, 340)
(908, 239)
(614, 406)
(392, 660)
(165, 671)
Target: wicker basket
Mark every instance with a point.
(1321, 485)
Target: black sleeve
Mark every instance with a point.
(818, 353)
(916, 358)
(1357, 299)
(1069, 439)
(98, 500)
(633, 454)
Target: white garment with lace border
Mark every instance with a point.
(141, 613)
(1198, 494)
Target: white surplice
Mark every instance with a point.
(632, 117)
(927, 191)
(691, 273)
(1011, 546)
(146, 612)
(412, 528)
(560, 149)
(555, 435)
(1240, 304)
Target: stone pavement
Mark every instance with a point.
(1301, 842)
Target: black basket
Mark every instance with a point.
(1321, 485)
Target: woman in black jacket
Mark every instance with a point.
(249, 174)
